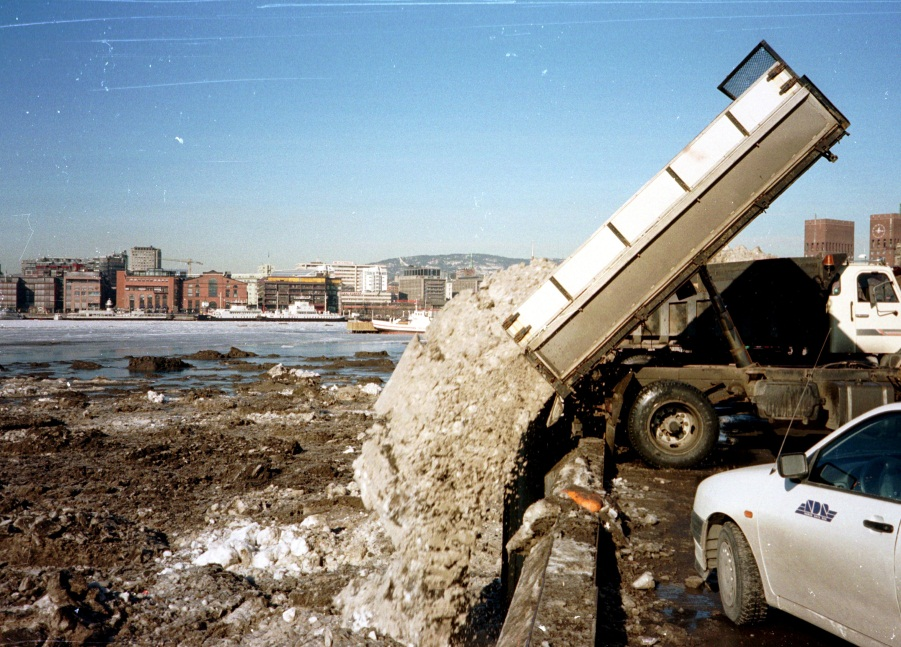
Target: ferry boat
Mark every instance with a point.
(110, 313)
(237, 312)
(114, 315)
(417, 322)
(300, 310)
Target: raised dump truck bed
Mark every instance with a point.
(776, 127)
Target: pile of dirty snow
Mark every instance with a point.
(434, 469)
(739, 253)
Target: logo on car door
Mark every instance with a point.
(816, 510)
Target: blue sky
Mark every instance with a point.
(238, 133)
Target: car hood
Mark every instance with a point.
(739, 487)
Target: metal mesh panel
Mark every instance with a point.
(749, 70)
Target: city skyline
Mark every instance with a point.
(243, 133)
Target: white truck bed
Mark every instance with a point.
(776, 127)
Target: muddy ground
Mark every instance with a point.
(120, 503)
(131, 514)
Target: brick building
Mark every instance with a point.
(151, 291)
(885, 238)
(280, 290)
(83, 291)
(43, 294)
(212, 290)
(12, 293)
(824, 236)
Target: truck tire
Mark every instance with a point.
(672, 424)
(741, 591)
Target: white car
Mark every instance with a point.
(818, 537)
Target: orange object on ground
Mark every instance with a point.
(587, 499)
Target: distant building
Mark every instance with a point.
(83, 291)
(364, 303)
(108, 265)
(354, 277)
(885, 238)
(43, 294)
(155, 291)
(51, 266)
(104, 266)
(212, 290)
(824, 236)
(142, 259)
(373, 279)
(466, 279)
(423, 285)
(12, 293)
(281, 289)
(250, 281)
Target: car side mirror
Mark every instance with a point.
(792, 466)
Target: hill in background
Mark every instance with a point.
(450, 263)
(485, 264)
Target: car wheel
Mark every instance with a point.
(741, 591)
(672, 424)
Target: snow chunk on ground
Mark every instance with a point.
(279, 371)
(280, 550)
(371, 388)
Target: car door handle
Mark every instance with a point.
(878, 526)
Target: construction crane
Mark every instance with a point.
(190, 261)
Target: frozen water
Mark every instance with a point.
(109, 343)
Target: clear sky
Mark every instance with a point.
(238, 133)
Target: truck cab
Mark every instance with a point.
(865, 311)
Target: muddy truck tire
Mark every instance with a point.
(672, 425)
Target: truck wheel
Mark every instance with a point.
(741, 591)
(672, 424)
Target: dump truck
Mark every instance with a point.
(601, 328)
(850, 310)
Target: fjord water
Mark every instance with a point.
(48, 347)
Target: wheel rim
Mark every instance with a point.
(725, 574)
(675, 427)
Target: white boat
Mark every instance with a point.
(417, 322)
(114, 315)
(237, 312)
(300, 310)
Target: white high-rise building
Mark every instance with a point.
(374, 279)
(354, 278)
